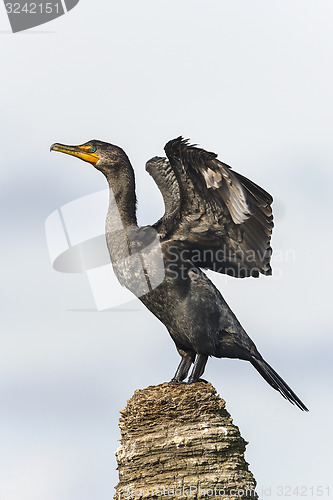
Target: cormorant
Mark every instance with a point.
(214, 218)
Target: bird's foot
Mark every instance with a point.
(192, 381)
(176, 381)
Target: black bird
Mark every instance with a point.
(214, 218)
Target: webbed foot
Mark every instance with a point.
(175, 381)
(190, 381)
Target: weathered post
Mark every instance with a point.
(179, 441)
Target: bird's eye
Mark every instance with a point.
(92, 150)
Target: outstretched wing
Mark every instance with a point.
(222, 218)
(165, 178)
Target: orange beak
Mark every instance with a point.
(82, 152)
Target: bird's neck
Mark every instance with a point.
(121, 218)
(122, 206)
(122, 199)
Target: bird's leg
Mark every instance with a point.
(183, 368)
(198, 368)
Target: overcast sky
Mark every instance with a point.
(251, 81)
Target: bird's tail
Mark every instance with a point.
(277, 382)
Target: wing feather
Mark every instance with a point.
(214, 208)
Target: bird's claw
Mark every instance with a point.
(198, 380)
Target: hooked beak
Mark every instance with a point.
(82, 152)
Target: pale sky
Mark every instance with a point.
(251, 81)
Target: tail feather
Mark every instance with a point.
(277, 382)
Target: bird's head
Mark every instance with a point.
(101, 155)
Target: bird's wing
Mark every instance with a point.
(223, 218)
(165, 178)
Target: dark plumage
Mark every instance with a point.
(214, 218)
